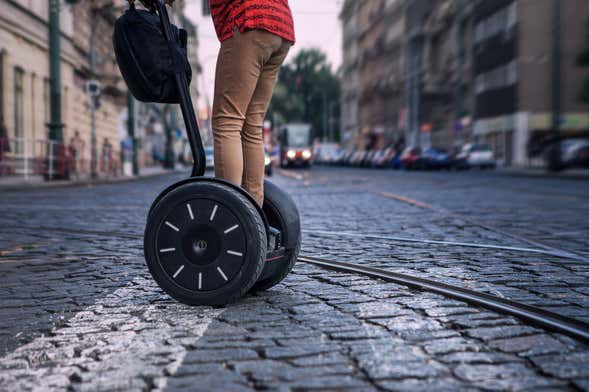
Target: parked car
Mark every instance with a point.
(475, 155)
(337, 157)
(410, 156)
(573, 153)
(357, 157)
(396, 162)
(326, 153)
(376, 158)
(347, 157)
(387, 158)
(433, 159)
(368, 157)
(580, 154)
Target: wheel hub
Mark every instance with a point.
(201, 245)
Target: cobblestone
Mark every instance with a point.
(80, 312)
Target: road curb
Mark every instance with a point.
(81, 183)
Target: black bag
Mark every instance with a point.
(146, 60)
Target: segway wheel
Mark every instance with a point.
(205, 243)
(282, 214)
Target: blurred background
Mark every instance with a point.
(396, 84)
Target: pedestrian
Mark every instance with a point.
(107, 164)
(4, 145)
(255, 37)
(75, 149)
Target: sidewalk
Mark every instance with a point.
(19, 183)
(540, 172)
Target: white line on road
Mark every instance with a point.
(132, 348)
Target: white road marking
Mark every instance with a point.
(200, 280)
(128, 348)
(214, 212)
(222, 273)
(172, 226)
(178, 272)
(234, 253)
(190, 211)
(229, 230)
(167, 250)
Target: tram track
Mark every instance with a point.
(550, 252)
(485, 226)
(531, 315)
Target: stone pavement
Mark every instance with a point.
(80, 312)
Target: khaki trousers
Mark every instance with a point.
(247, 69)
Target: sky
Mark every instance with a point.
(316, 25)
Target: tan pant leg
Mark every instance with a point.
(239, 66)
(252, 138)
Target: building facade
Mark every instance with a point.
(24, 69)
(392, 84)
(86, 55)
(371, 71)
(349, 74)
(443, 73)
(447, 88)
(514, 58)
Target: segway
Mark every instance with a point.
(206, 242)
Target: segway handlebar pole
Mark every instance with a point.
(198, 153)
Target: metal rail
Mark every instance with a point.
(554, 252)
(532, 315)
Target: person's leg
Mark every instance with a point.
(252, 138)
(239, 66)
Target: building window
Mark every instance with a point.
(501, 21)
(500, 77)
(18, 105)
(33, 107)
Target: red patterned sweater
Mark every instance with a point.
(270, 15)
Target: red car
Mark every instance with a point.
(410, 156)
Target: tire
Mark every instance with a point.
(205, 243)
(282, 213)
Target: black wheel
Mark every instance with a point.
(205, 243)
(282, 213)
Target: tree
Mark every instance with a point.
(307, 91)
(583, 61)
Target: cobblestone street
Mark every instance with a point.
(79, 310)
